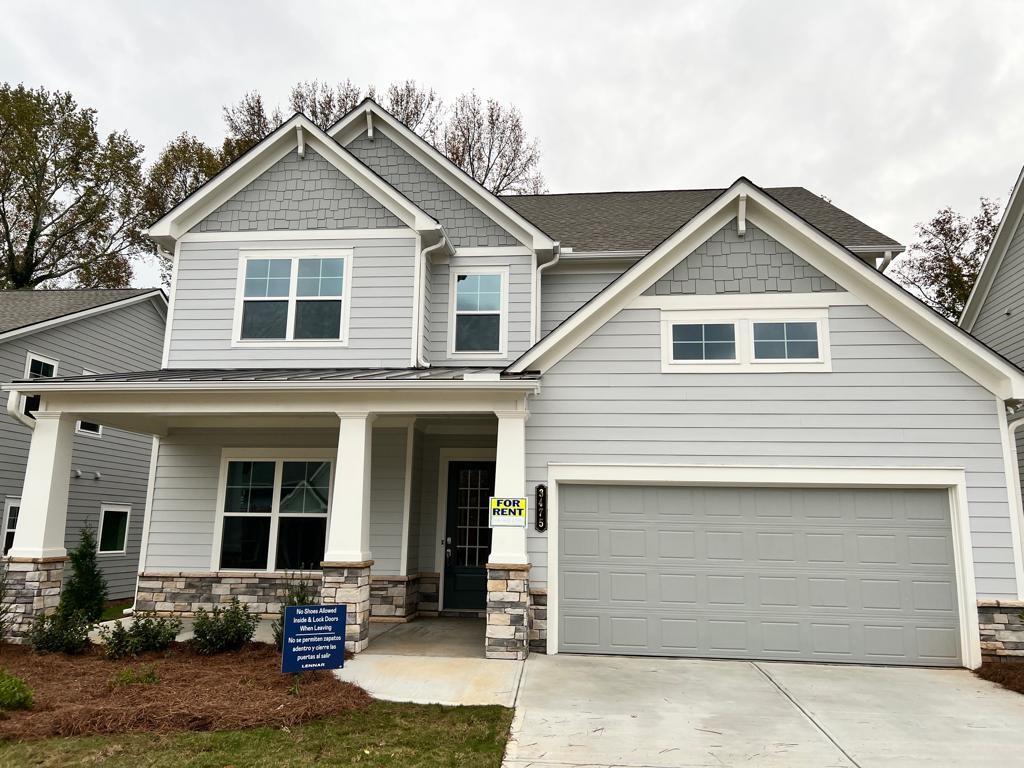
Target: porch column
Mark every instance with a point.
(347, 562)
(508, 567)
(36, 559)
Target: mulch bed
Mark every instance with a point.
(76, 695)
(1008, 674)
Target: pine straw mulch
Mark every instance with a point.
(1009, 674)
(76, 695)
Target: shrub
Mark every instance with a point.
(299, 593)
(60, 633)
(146, 633)
(129, 676)
(224, 629)
(14, 692)
(85, 589)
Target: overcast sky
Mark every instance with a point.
(891, 109)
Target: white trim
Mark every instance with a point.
(271, 235)
(173, 288)
(445, 457)
(74, 316)
(892, 302)
(747, 301)
(350, 126)
(422, 385)
(293, 255)
(496, 250)
(147, 513)
(410, 436)
(1011, 468)
(9, 501)
(504, 272)
(743, 321)
(87, 432)
(954, 479)
(278, 456)
(1008, 225)
(104, 508)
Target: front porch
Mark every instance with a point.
(383, 508)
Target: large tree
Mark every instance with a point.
(943, 263)
(70, 209)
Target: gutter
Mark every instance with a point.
(14, 409)
(418, 359)
(271, 386)
(556, 251)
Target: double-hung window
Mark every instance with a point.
(294, 297)
(274, 514)
(479, 311)
(36, 367)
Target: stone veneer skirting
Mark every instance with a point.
(508, 598)
(394, 598)
(1002, 629)
(34, 590)
(538, 616)
(182, 593)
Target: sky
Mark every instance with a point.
(892, 110)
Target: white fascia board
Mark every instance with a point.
(353, 125)
(156, 296)
(261, 158)
(1008, 226)
(43, 385)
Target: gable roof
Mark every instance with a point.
(1008, 226)
(369, 113)
(891, 301)
(296, 132)
(638, 221)
(26, 311)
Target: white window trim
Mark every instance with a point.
(10, 501)
(743, 320)
(104, 508)
(78, 424)
(244, 255)
(28, 365)
(502, 351)
(278, 456)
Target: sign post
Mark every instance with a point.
(313, 637)
(507, 512)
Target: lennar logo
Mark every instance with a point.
(507, 512)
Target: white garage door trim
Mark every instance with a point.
(952, 479)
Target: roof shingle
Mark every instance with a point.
(22, 308)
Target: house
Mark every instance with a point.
(736, 438)
(59, 333)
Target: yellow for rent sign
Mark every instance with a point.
(508, 513)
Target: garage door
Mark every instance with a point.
(831, 575)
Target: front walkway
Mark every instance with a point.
(433, 661)
(669, 713)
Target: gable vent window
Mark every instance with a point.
(785, 341)
(37, 368)
(300, 299)
(479, 312)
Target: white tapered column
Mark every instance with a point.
(508, 545)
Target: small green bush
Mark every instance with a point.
(146, 633)
(14, 692)
(84, 590)
(60, 633)
(224, 629)
(129, 676)
(300, 592)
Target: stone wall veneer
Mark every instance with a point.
(429, 596)
(508, 598)
(394, 598)
(538, 620)
(349, 583)
(34, 587)
(1002, 630)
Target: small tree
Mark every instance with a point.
(85, 590)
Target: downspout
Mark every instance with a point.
(556, 250)
(420, 270)
(14, 409)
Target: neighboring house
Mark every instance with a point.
(747, 442)
(46, 334)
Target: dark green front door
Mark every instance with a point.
(467, 542)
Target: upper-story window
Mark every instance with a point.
(786, 341)
(294, 297)
(36, 367)
(479, 312)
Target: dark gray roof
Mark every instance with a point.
(185, 375)
(639, 221)
(19, 309)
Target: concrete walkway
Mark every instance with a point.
(670, 713)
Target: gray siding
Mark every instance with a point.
(299, 193)
(387, 500)
(999, 323)
(465, 224)
(380, 330)
(519, 269)
(754, 263)
(889, 401)
(128, 339)
(562, 293)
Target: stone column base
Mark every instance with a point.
(429, 596)
(34, 586)
(1002, 630)
(508, 605)
(349, 583)
(538, 620)
(394, 598)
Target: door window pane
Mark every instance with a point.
(250, 487)
(477, 333)
(114, 533)
(305, 486)
(318, 320)
(786, 341)
(264, 319)
(301, 543)
(245, 543)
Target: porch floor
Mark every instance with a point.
(448, 637)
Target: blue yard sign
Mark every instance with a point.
(313, 637)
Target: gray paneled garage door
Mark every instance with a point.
(835, 575)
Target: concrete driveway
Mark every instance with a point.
(667, 713)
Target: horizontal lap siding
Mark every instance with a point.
(380, 329)
(128, 339)
(387, 500)
(889, 401)
(998, 323)
(562, 293)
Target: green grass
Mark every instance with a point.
(383, 734)
(114, 609)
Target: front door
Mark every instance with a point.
(467, 542)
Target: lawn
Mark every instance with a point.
(114, 609)
(381, 734)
